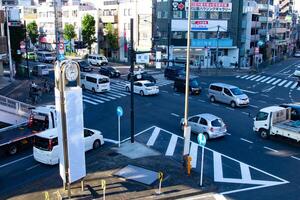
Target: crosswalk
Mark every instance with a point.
(117, 91)
(271, 80)
(216, 165)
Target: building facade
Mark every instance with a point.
(286, 7)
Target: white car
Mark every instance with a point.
(143, 88)
(297, 54)
(46, 150)
(297, 71)
(97, 60)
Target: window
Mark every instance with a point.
(217, 123)
(91, 79)
(192, 16)
(226, 15)
(261, 116)
(103, 80)
(177, 14)
(201, 15)
(203, 122)
(87, 133)
(165, 14)
(194, 119)
(159, 14)
(227, 92)
(216, 88)
(214, 15)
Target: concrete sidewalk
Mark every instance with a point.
(102, 164)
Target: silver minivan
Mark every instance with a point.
(228, 94)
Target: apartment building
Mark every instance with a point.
(286, 7)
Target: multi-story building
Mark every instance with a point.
(3, 42)
(286, 7)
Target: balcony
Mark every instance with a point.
(255, 24)
(265, 7)
(255, 37)
(278, 30)
(263, 19)
(262, 31)
(110, 19)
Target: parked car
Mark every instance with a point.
(208, 124)
(297, 54)
(30, 56)
(45, 56)
(40, 70)
(297, 71)
(143, 88)
(95, 82)
(228, 94)
(194, 85)
(97, 60)
(46, 149)
(142, 76)
(84, 66)
(173, 72)
(111, 72)
(295, 110)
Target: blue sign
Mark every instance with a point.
(60, 57)
(119, 111)
(201, 140)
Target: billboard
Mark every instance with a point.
(211, 6)
(199, 25)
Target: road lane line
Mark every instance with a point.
(271, 80)
(248, 91)
(280, 84)
(215, 104)
(270, 149)
(261, 101)
(261, 78)
(172, 145)
(293, 86)
(295, 158)
(174, 114)
(201, 101)
(153, 136)
(281, 99)
(230, 108)
(288, 84)
(275, 82)
(139, 133)
(228, 133)
(164, 91)
(245, 113)
(34, 166)
(194, 153)
(16, 161)
(253, 106)
(176, 94)
(111, 141)
(265, 79)
(246, 140)
(264, 95)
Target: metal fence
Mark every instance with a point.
(15, 107)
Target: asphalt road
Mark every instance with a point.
(252, 168)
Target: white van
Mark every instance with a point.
(95, 82)
(45, 56)
(97, 60)
(46, 149)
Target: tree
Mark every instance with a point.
(112, 36)
(69, 33)
(32, 30)
(88, 31)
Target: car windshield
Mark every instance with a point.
(149, 84)
(236, 91)
(217, 123)
(48, 55)
(195, 83)
(83, 64)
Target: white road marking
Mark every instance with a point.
(280, 99)
(34, 166)
(174, 114)
(248, 91)
(268, 148)
(265, 79)
(201, 101)
(172, 145)
(164, 91)
(110, 141)
(295, 158)
(264, 95)
(245, 171)
(93, 99)
(298, 88)
(286, 72)
(261, 78)
(230, 108)
(176, 94)
(244, 76)
(288, 84)
(269, 89)
(215, 104)
(194, 153)
(88, 101)
(252, 79)
(280, 84)
(253, 106)
(246, 140)
(228, 133)
(139, 133)
(271, 80)
(203, 83)
(245, 113)
(293, 86)
(12, 162)
(153, 137)
(277, 81)
(261, 101)
(238, 76)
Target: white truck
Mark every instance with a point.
(14, 138)
(275, 120)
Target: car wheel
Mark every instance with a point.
(142, 93)
(182, 126)
(233, 104)
(12, 150)
(127, 89)
(212, 99)
(93, 89)
(83, 87)
(96, 144)
(263, 133)
(206, 136)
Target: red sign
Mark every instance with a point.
(178, 6)
(256, 50)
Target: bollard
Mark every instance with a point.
(47, 196)
(160, 177)
(189, 166)
(103, 186)
(82, 185)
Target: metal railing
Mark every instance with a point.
(15, 107)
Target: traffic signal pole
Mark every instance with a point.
(132, 54)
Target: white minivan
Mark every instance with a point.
(46, 149)
(95, 82)
(97, 60)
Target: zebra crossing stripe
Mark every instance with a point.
(111, 93)
(106, 96)
(252, 79)
(244, 76)
(271, 80)
(261, 78)
(172, 145)
(265, 79)
(118, 87)
(118, 92)
(280, 84)
(97, 97)
(88, 101)
(293, 86)
(238, 76)
(277, 81)
(194, 153)
(153, 137)
(288, 84)
(93, 99)
(298, 88)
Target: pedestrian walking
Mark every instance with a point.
(298, 84)
(221, 63)
(236, 65)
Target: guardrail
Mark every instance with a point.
(15, 107)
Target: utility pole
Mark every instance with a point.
(217, 50)
(26, 50)
(9, 45)
(187, 128)
(169, 30)
(267, 29)
(131, 83)
(56, 28)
